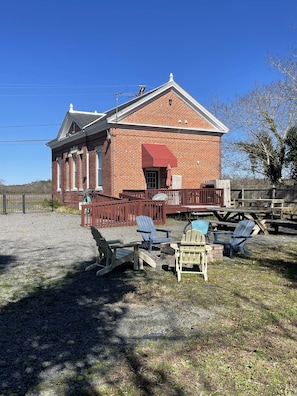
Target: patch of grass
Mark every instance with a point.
(247, 347)
(250, 347)
(67, 209)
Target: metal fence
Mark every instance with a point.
(25, 203)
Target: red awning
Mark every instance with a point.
(158, 156)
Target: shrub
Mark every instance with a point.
(52, 203)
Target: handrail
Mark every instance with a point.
(121, 213)
(187, 196)
(133, 203)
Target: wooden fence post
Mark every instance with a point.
(273, 192)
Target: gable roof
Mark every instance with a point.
(130, 107)
(90, 123)
(82, 119)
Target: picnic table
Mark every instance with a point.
(194, 211)
(276, 204)
(232, 215)
(228, 217)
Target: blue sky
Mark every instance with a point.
(85, 51)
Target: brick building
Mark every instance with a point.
(163, 138)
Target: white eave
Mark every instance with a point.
(98, 122)
(218, 126)
(82, 119)
(168, 128)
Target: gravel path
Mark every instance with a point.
(58, 321)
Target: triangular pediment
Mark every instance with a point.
(74, 128)
(168, 106)
(76, 121)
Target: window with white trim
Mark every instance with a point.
(59, 173)
(74, 172)
(99, 173)
(67, 173)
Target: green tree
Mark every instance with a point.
(264, 155)
(291, 154)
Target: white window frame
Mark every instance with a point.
(59, 173)
(99, 168)
(74, 183)
(67, 173)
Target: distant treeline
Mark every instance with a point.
(37, 187)
(45, 186)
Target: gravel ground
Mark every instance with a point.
(58, 321)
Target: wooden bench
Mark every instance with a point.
(201, 213)
(230, 226)
(289, 211)
(195, 215)
(225, 225)
(279, 212)
(276, 223)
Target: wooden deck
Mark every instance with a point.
(178, 199)
(123, 211)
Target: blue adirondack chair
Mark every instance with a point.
(238, 238)
(200, 225)
(149, 233)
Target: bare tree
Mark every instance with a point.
(259, 122)
(287, 66)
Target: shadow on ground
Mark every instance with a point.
(62, 337)
(5, 261)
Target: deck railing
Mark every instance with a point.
(121, 213)
(187, 196)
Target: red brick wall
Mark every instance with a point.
(198, 156)
(160, 112)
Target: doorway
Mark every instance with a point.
(152, 179)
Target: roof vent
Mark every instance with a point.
(170, 77)
(141, 90)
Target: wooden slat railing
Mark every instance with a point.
(122, 213)
(187, 196)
